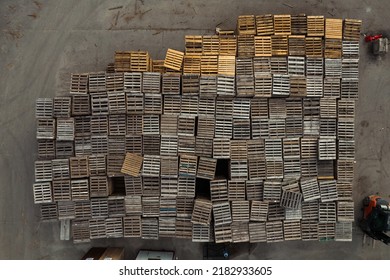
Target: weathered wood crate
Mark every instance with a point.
(218, 190)
(236, 190)
(46, 149)
(202, 233)
(44, 108)
(167, 227)
(222, 213)
(272, 191)
(292, 230)
(186, 126)
(49, 211)
(43, 192)
(79, 167)
(257, 232)
(309, 230)
(281, 85)
(282, 24)
(189, 106)
(327, 212)
(310, 189)
(172, 104)
(114, 82)
(190, 84)
(274, 231)
(183, 228)
(239, 170)
(99, 103)
(240, 232)
(201, 213)
(227, 44)
(265, 25)
(350, 88)
(351, 30)
(62, 106)
(223, 233)
(296, 65)
(79, 189)
(97, 82)
(279, 65)
(328, 190)
(296, 45)
(132, 82)
(193, 44)
(167, 206)
(245, 46)
(315, 26)
(206, 168)
(149, 228)
(240, 210)
(80, 231)
(46, 129)
(97, 228)
(254, 189)
(259, 211)
(291, 199)
(350, 49)
(171, 83)
(327, 148)
(132, 226)
(343, 231)
(246, 24)
(61, 190)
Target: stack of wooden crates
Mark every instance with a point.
(247, 136)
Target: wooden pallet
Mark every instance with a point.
(223, 128)
(172, 104)
(193, 44)
(82, 126)
(210, 45)
(292, 230)
(332, 87)
(190, 84)
(328, 190)
(46, 129)
(290, 199)
(174, 60)
(343, 231)
(60, 169)
(218, 190)
(99, 103)
(282, 24)
(97, 228)
(167, 227)
(169, 145)
(192, 64)
(169, 186)
(246, 25)
(326, 231)
(241, 128)
(66, 210)
(226, 65)
(208, 65)
(132, 226)
(186, 126)
(99, 208)
(314, 86)
(281, 85)
(345, 211)
(296, 45)
(186, 145)
(222, 213)
(151, 206)
(185, 205)
(239, 170)
(327, 212)
(327, 148)
(227, 45)
(315, 26)
(79, 167)
(314, 47)
(244, 66)
(202, 233)
(171, 83)
(46, 149)
(206, 168)
(254, 187)
(263, 85)
(299, 24)
(223, 234)
(274, 231)
(152, 104)
(345, 128)
(132, 82)
(114, 82)
(140, 61)
(296, 65)
(82, 146)
(351, 30)
(97, 82)
(257, 232)
(151, 82)
(167, 206)
(149, 228)
(279, 65)
(132, 164)
(169, 126)
(345, 170)
(79, 83)
(333, 48)
(310, 189)
(240, 211)
(42, 192)
(208, 86)
(328, 127)
(245, 46)
(259, 211)
(158, 66)
(310, 210)
(293, 214)
(265, 25)
(188, 165)
(279, 45)
(272, 191)
(43, 171)
(350, 49)
(183, 228)
(151, 186)
(204, 147)
(79, 189)
(49, 211)
(62, 106)
(151, 166)
(202, 212)
(346, 149)
(80, 231)
(61, 190)
(350, 89)
(294, 127)
(314, 66)
(309, 230)
(263, 46)
(44, 108)
(240, 232)
(169, 166)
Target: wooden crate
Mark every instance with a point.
(343, 231)
(350, 49)
(314, 66)
(169, 186)
(184, 206)
(97, 82)
(226, 65)
(345, 170)
(350, 88)
(44, 108)
(172, 104)
(345, 211)
(169, 145)
(254, 188)
(326, 148)
(265, 25)
(273, 148)
(79, 189)
(332, 87)
(61, 190)
(315, 26)
(223, 128)
(208, 86)
(328, 127)
(158, 66)
(151, 82)
(309, 148)
(97, 165)
(279, 65)
(311, 126)
(132, 82)
(279, 45)
(49, 212)
(274, 231)
(188, 165)
(66, 210)
(238, 150)
(292, 230)
(206, 127)
(282, 24)
(281, 85)
(79, 167)
(227, 45)
(99, 103)
(346, 149)
(116, 206)
(97, 228)
(241, 129)
(261, 65)
(223, 234)
(122, 61)
(167, 227)
(99, 186)
(190, 84)
(82, 126)
(210, 45)
(99, 208)
(259, 108)
(259, 211)
(309, 230)
(151, 186)
(263, 46)
(246, 24)
(244, 66)
(62, 106)
(151, 166)
(221, 148)
(263, 85)
(222, 213)
(350, 69)
(202, 233)
(256, 168)
(149, 228)
(169, 126)
(272, 191)
(224, 108)
(293, 214)
(169, 166)
(245, 46)
(327, 212)
(140, 61)
(257, 232)
(236, 190)
(296, 65)
(43, 171)
(206, 168)
(193, 44)
(310, 210)
(132, 226)
(309, 167)
(116, 145)
(174, 60)
(291, 199)
(259, 128)
(80, 231)
(310, 189)
(192, 64)
(299, 24)
(351, 30)
(333, 48)
(218, 190)
(202, 212)
(345, 128)
(46, 129)
(82, 209)
(296, 45)
(292, 168)
(291, 148)
(209, 65)
(294, 127)
(239, 170)
(114, 82)
(189, 106)
(314, 47)
(132, 164)
(240, 232)
(240, 211)
(314, 86)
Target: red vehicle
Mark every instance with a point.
(370, 38)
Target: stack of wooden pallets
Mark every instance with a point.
(246, 136)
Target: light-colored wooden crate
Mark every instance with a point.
(227, 45)
(44, 108)
(202, 212)
(333, 48)
(314, 47)
(226, 65)
(263, 46)
(315, 26)
(333, 28)
(193, 45)
(192, 64)
(43, 192)
(351, 30)
(97, 82)
(345, 211)
(209, 65)
(282, 24)
(259, 211)
(140, 61)
(174, 60)
(132, 164)
(210, 44)
(310, 189)
(246, 25)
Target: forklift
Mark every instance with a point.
(376, 218)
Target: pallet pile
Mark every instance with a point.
(247, 136)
